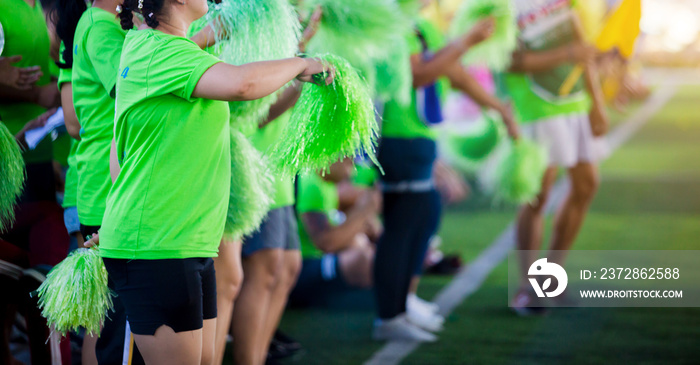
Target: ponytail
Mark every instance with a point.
(66, 14)
(149, 9)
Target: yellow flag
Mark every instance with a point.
(622, 28)
(620, 31)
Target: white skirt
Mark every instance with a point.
(568, 138)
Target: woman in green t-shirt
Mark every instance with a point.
(166, 209)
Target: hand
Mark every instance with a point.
(48, 96)
(37, 122)
(93, 241)
(374, 228)
(506, 113)
(582, 52)
(599, 121)
(315, 66)
(311, 28)
(18, 78)
(369, 201)
(481, 31)
(451, 186)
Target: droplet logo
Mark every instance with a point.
(543, 268)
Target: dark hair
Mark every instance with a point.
(66, 14)
(150, 11)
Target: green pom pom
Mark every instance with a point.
(410, 7)
(329, 122)
(11, 176)
(75, 293)
(495, 52)
(252, 188)
(519, 175)
(468, 150)
(253, 31)
(371, 36)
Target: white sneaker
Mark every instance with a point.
(417, 303)
(400, 329)
(428, 321)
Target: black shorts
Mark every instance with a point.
(178, 293)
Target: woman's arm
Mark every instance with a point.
(529, 61)
(461, 80)
(255, 80)
(285, 102)
(69, 116)
(114, 168)
(329, 238)
(425, 72)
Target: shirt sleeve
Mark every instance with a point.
(104, 48)
(64, 74)
(310, 196)
(176, 68)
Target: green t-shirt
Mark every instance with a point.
(318, 196)
(70, 191)
(365, 175)
(96, 52)
(544, 25)
(26, 34)
(265, 138)
(171, 196)
(403, 121)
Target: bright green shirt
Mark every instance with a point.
(365, 175)
(26, 34)
(96, 52)
(403, 121)
(265, 138)
(171, 196)
(70, 190)
(315, 196)
(544, 26)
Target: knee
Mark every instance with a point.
(231, 285)
(267, 275)
(292, 268)
(537, 206)
(584, 188)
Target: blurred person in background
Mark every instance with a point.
(38, 232)
(407, 153)
(566, 125)
(270, 257)
(337, 225)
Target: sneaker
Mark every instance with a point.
(400, 329)
(289, 343)
(417, 303)
(526, 304)
(428, 321)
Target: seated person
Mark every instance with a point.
(335, 226)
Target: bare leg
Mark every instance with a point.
(89, 356)
(356, 266)
(531, 224)
(285, 283)
(261, 272)
(208, 336)
(229, 276)
(571, 214)
(166, 347)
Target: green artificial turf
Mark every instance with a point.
(649, 199)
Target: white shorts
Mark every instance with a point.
(568, 139)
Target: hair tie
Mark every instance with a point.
(119, 9)
(140, 4)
